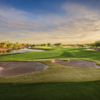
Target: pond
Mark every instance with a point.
(25, 50)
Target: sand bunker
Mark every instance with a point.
(78, 63)
(18, 68)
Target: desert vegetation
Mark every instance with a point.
(8, 46)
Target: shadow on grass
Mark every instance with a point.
(50, 91)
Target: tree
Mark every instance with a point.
(81, 45)
(4, 44)
(97, 43)
(92, 45)
(58, 44)
(49, 44)
(18, 44)
(34, 45)
(0, 44)
(27, 45)
(11, 45)
(44, 44)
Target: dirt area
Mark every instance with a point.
(4, 53)
(18, 68)
(78, 63)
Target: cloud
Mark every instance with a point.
(14, 19)
(81, 22)
(78, 24)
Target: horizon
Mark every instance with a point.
(46, 43)
(50, 21)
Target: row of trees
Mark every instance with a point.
(8, 45)
(96, 44)
(60, 44)
(49, 44)
(93, 45)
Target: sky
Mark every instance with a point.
(50, 21)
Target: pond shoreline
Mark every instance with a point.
(24, 50)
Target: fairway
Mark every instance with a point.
(56, 53)
(58, 81)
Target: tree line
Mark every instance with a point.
(9, 45)
(96, 44)
(49, 44)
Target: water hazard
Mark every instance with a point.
(23, 51)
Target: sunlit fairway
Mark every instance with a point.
(58, 82)
(56, 53)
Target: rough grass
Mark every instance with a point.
(50, 91)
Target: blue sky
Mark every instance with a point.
(43, 21)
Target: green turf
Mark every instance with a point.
(57, 82)
(50, 91)
(57, 52)
(43, 47)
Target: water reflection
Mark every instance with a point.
(26, 50)
(22, 51)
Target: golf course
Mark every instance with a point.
(57, 82)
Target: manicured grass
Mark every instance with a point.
(57, 52)
(43, 47)
(50, 91)
(58, 82)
